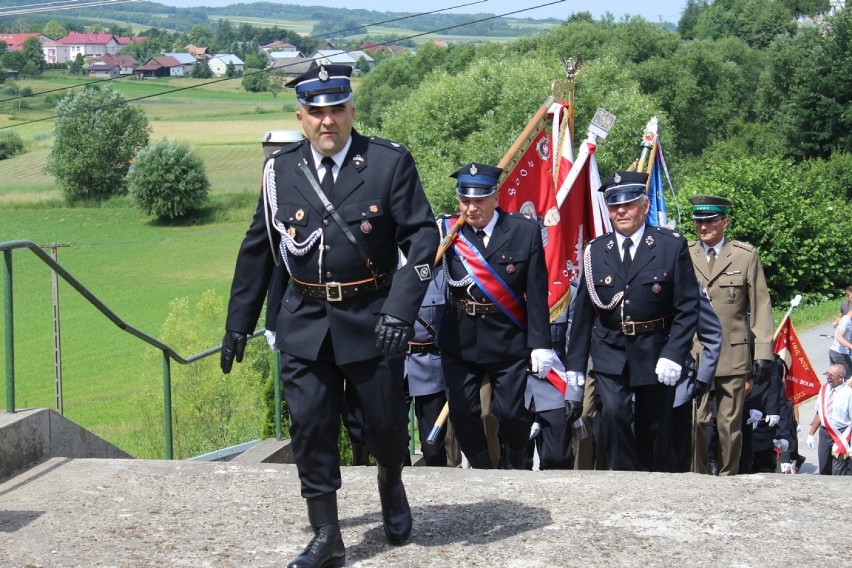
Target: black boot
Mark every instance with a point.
(480, 461)
(360, 454)
(396, 514)
(517, 459)
(326, 549)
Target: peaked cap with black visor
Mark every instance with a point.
(476, 180)
(623, 187)
(325, 85)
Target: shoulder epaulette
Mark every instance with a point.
(387, 143)
(668, 232)
(742, 245)
(287, 148)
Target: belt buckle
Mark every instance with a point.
(470, 308)
(628, 327)
(333, 292)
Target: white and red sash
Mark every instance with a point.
(487, 279)
(843, 442)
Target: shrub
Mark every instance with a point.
(168, 181)
(10, 145)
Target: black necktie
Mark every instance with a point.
(328, 179)
(481, 234)
(627, 259)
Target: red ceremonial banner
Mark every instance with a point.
(801, 382)
(529, 186)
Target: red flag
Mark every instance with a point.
(801, 382)
(529, 187)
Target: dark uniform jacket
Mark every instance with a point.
(378, 194)
(516, 254)
(423, 370)
(661, 284)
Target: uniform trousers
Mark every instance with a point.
(824, 458)
(554, 441)
(637, 423)
(683, 431)
(590, 452)
(508, 382)
(841, 466)
(730, 394)
(314, 394)
(426, 410)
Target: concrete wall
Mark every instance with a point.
(30, 436)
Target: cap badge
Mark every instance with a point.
(323, 74)
(366, 227)
(473, 169)
(300, 214)
(617, 178)
(608, 280)
(649, 240)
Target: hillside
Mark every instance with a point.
(300, 18)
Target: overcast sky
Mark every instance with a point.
(652, 10)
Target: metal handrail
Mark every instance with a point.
(168, 353)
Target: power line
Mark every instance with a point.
(222, 79)
(70, 5)
(97, 81)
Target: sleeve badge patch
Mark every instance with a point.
(424, 272)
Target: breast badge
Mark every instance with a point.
(300, 214)
(510, 268)
(608, 280)
(656, 288)
(291, 231)
(366, 227)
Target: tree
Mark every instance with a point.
(201, 36)
(168, 181)
(76, 66)
(230, 70)
(10, 144)
(54, 30)
(210, 410)
(201, 70)
(96, 134)
(255, 81)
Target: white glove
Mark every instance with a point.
(754, 417)
(781, 444)
(786, 467)
(810, 442)
(535, 430)
(668, 372)
(541, 361)
(575, 378)
(270, 339)
(772, 420)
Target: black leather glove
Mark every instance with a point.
(760, 370)
(233, 347)
(393, 334)
(573, 410)
(699, 389)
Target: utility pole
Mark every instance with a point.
(57, 343)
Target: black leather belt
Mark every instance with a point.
(472, 308)
(429, 347)
(336, 291)
(640, 327)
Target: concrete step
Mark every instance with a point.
(120, 512)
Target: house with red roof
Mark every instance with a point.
(160, 66)
(14, 42)
(90, 45)
(126, 63)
